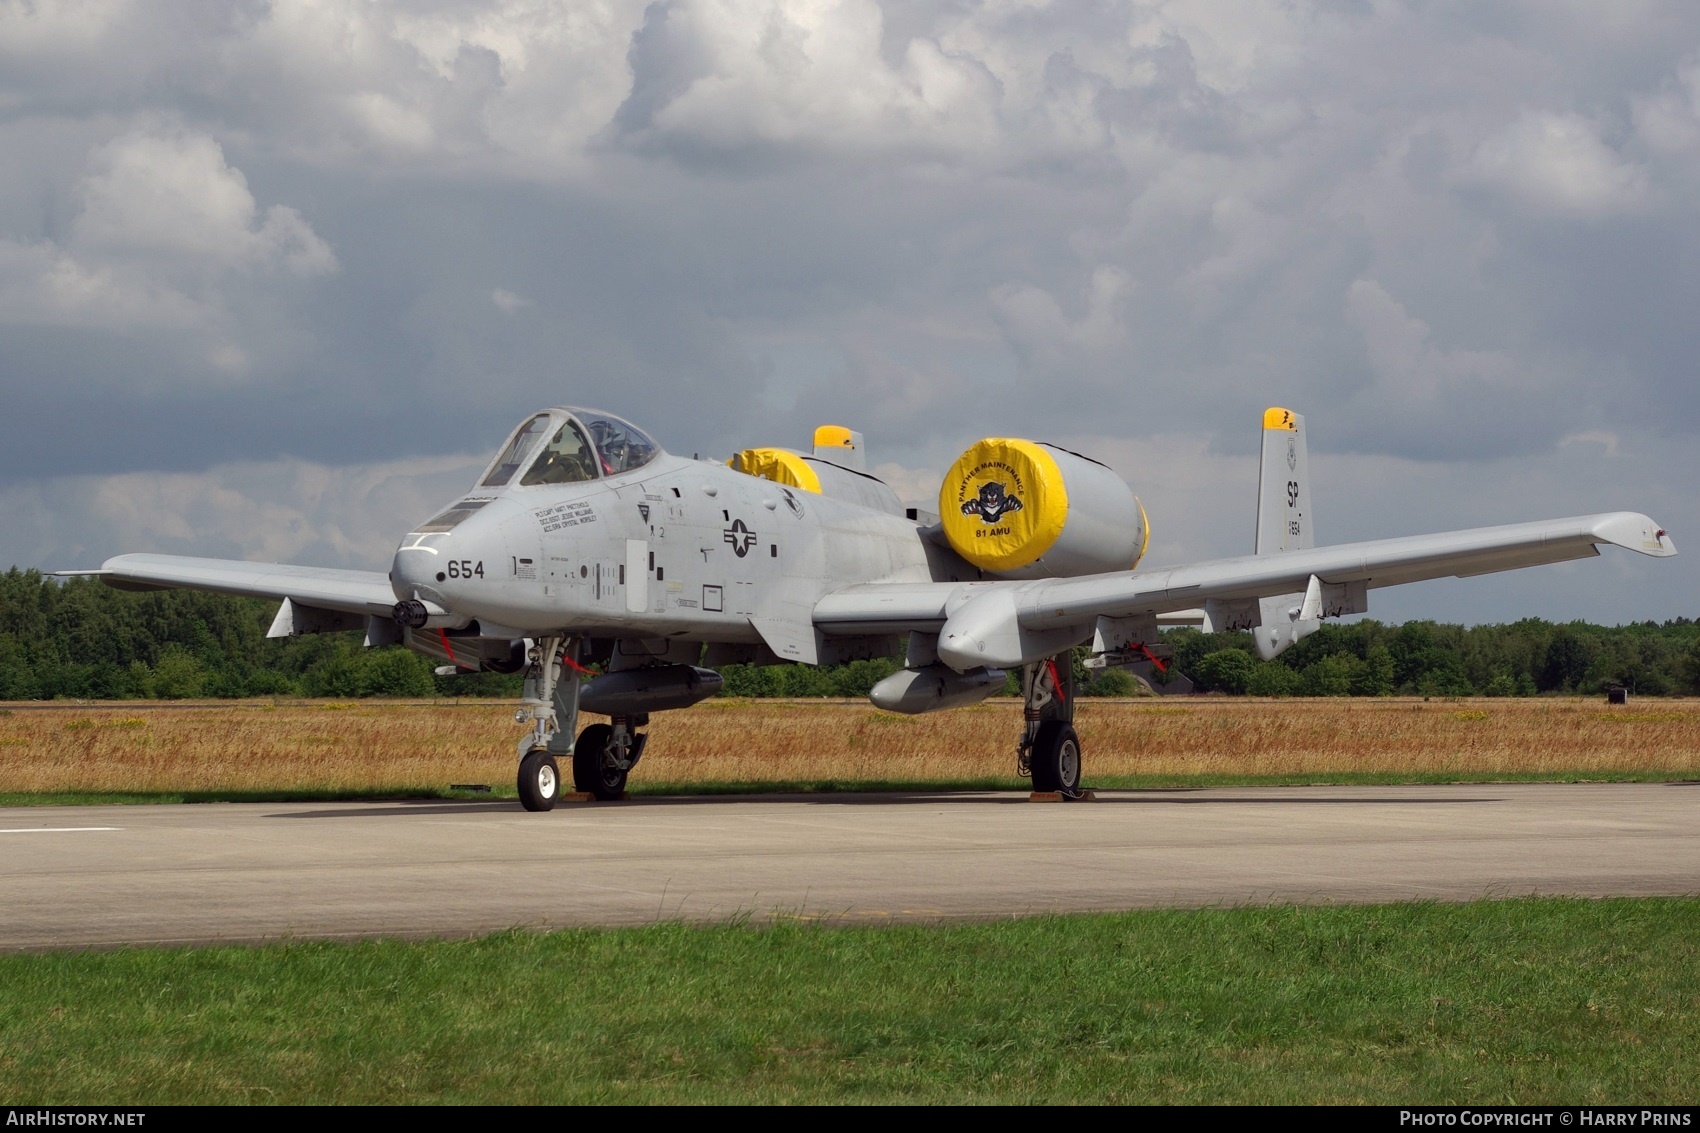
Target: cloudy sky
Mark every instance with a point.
(274, 277)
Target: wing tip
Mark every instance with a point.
(1635, 532)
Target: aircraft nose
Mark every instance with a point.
(414, 570)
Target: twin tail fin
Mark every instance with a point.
(1284, 521)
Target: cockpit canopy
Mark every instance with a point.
(569, 446)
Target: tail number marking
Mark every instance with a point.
(466, 568)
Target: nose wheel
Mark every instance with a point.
(539, 781)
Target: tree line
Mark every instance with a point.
(81, 639)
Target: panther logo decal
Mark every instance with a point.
(992, 504)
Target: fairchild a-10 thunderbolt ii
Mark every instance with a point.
(583, 543)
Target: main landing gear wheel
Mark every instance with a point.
(539, 781)
(594, 769)
(1055, 758)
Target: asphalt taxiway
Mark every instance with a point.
(102, 876)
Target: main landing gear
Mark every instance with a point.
(601, 756)
(605, 754)
(1050, 750)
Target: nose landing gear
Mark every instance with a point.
(548, 703)
(601, 756)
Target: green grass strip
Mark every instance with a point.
(1524, 1001)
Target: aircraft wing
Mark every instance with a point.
(359, 592)
(1002, 624)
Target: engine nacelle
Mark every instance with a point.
(1023, 509)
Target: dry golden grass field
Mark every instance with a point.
(134, 747)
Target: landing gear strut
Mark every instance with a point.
(1049, 749)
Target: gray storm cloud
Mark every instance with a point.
(1460, 238)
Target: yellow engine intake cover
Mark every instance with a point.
(779, 465)
(1003, 503)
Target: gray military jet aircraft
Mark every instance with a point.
(584, 543)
